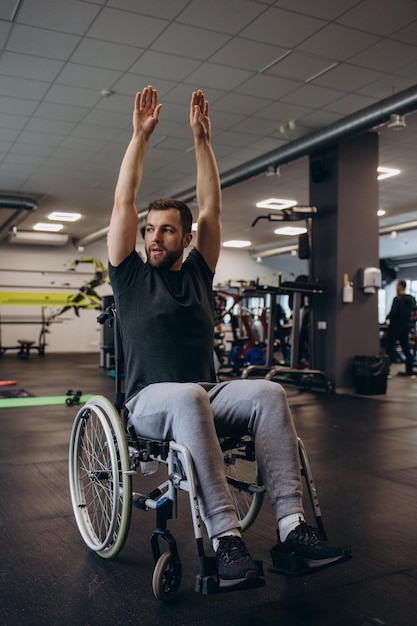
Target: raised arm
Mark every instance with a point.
(209, 197)
(124, 219)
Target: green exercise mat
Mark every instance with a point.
(8, 403)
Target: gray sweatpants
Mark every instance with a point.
(197, 415)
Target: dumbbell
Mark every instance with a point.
(74, 397)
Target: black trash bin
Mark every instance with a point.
(370, 374)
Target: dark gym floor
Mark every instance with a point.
(363, 454)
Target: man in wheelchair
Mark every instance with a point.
(165, 315)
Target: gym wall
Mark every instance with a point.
(45, 270)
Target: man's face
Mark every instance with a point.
(164, 239)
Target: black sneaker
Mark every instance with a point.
(234, 563)
(305, 543)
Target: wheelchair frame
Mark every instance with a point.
(103, 457)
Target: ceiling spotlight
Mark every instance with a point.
(386, 172)
(64, 216)
(236, 243)
(276, 203)
(106, 93)
(291, 231)
(397, 122)
(48, 228)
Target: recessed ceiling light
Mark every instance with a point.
(48, 228)
(386, 172)
(276, 203)
(236, 243)
(64, 217)
(380, 212)
(290, 230)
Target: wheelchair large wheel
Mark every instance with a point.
(100, 479)
(243, 479)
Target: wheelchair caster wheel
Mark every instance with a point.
(165, 580)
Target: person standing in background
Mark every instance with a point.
(399, 319)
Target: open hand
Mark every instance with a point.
(146, 111)
(199, 116)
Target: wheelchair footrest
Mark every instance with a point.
(207, 582)
(293, 565)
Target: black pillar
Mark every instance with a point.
(344, 188)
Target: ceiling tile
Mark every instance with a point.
(231, 16)
(87, 76)
(236, 139)
(337, 42)
(381, 17)
(113, 56)
(126, 28)
(248, 54)
(351, 103)
(282, 28)
(22, 87)
(25, 66)
(257, 127)
(130, 83)
(17, 106)
(222, 120)
(241, 104)
(407, 34)
(156, 8)
(77, 96)
(299, 66)
(179, 39)
(8, 9)
(41, 151)
(95, 132)
(217, 76)
(66, 112)
(161, 65)
(41, 42)
(319, 118)
(47, 126)
(319, 8)
(12, 121)
(313, 95)
(4, 31)
(282, 112)
(110, 119)
(267, 86)
(43, 139)
(70, 17)
(387, 86)
(347, 77)
(408, 72)
(9, 134)
(394, 53)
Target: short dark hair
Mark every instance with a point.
(402, 283)
(163, 204)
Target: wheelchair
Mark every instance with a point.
(104, 456)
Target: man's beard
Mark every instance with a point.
(166, 261)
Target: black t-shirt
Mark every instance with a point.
(402, 307)
(166, 321)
